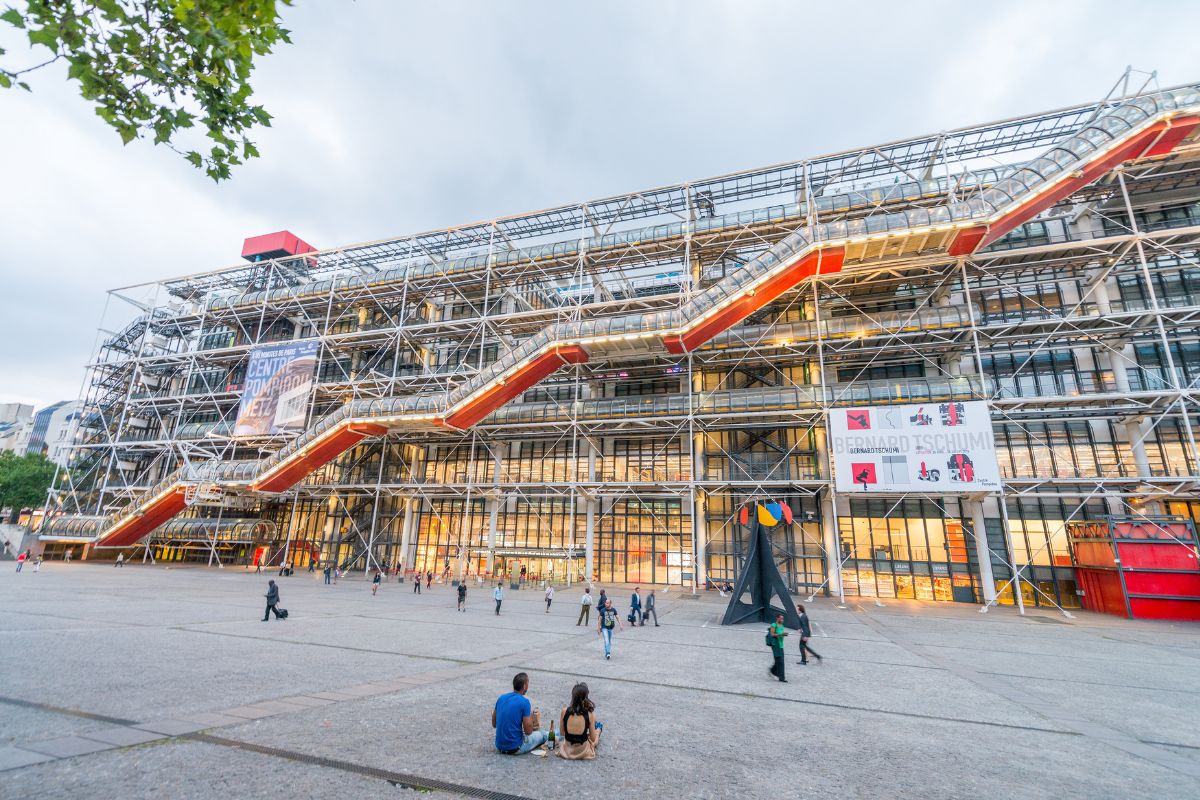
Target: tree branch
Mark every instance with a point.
(35, 66)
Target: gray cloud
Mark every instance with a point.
(396, 117)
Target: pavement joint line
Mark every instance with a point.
(1076, 680)
(1078, 624)
(347, 648)
(74, 712)
(336, 697)
(1089, 728)
(399, 779)
(807, 702)
(659, 643)
(1089, 658)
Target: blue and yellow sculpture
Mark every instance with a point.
(760, 577)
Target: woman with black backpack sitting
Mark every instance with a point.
(580, 732)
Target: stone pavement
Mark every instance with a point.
(157, 682)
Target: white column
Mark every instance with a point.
(1117, 363)
(829, 540)
(1135, 432)
(982, 554)
(1096, 290)
(589, 516)
(699, 516)
(493, 514)
(829, 527)
(406, 529)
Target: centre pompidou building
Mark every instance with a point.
(595, 390)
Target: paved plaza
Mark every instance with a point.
(149, 682)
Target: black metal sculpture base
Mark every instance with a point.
(760, 577)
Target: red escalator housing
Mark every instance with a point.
(1158, 139)
(329, 447)
(130, 530)
(818, 262)
(510, 387)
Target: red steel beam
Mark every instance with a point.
(1179, 129)
(966, 240)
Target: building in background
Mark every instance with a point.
(596, 390)
(15, 412)
(50, 430)
(16, 425)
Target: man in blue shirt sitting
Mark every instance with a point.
(515, 721)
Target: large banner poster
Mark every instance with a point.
(279, 379)
(937, 448)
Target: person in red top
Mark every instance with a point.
(21, 560)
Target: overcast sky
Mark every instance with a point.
(397, 117)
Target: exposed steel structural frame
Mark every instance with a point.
(1158, 137)
(742, 328)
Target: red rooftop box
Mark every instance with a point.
(275, 245)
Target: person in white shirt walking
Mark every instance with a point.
(499, 595)
(585, 607)
(549, 597)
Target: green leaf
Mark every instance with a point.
(14, 18)
(47, 37)
(162, 131)
(174, 71)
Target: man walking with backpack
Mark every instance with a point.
(606, 621)
(805, 635)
